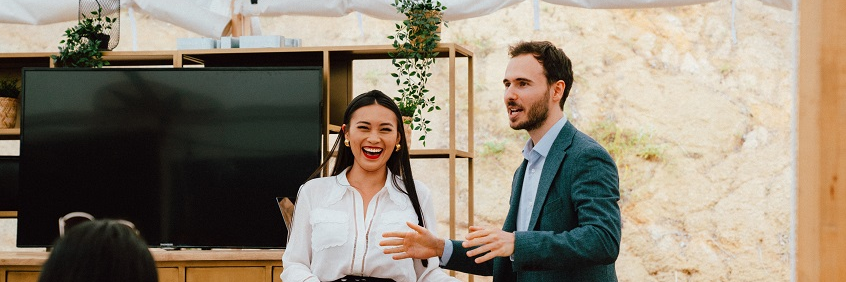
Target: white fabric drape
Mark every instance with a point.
(38, 12)
(211, 17)
(205, 17)
(456, 9)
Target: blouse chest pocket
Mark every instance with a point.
(394, 221)
(329, 228)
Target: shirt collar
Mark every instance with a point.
(545, 143)
(343, 184)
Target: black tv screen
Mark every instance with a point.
(194, 157)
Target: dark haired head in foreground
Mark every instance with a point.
(100, 250)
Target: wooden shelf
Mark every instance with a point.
(217, 255)
(337, 65)
(439, 154)
(142, 58)
(10, 133)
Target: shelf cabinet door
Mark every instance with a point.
(277, 270)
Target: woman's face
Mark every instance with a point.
(373, 136)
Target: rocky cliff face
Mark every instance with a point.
(712, 204)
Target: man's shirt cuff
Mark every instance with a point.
(447, 252)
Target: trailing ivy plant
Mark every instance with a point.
(414, 53)
(85, 42)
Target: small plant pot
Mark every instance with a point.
(419, 41)
(104, 41)
(8, 112)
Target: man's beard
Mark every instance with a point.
(536, 114)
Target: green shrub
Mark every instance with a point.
(622, 143)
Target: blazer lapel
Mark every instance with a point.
(553, 162)
(516, 187)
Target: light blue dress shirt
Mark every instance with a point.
(536, 155)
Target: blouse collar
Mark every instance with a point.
(400, 199)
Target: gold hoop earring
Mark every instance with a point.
(398, 148)
(347, 142)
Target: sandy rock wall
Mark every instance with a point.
(715, 206)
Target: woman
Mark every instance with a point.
(339, 220)
(100, 250)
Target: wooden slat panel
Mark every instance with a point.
(821, 154)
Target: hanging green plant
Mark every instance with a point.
(414, 53)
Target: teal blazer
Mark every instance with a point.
(574, 230)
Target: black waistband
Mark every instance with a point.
(350, 278)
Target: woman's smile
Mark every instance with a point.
(371, 152)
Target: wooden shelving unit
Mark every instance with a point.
(337, 65)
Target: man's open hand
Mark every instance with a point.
(417, 244)
(492, 242)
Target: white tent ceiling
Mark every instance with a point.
(211, 17)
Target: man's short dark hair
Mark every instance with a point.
(556, 65)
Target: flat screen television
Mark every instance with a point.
(194, 157)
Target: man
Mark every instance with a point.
(564, 221)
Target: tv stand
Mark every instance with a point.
(173, 266)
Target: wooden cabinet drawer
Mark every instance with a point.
(225, 274)
(168, 274)
(22, 276)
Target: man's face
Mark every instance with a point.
(526, 93)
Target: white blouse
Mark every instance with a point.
(334, 236)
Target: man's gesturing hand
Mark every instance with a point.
(417, 244)
(492, 242)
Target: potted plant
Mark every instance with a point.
(85, 42)
(9, 92)
(414, 53)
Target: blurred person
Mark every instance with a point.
(339, 219)
(100, 251)
(563, 223)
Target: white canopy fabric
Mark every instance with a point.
(38, 12)
(212, 17)
(206, 17)
(629, 4)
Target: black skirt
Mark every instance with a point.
(350, 278)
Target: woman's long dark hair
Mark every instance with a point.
(399, 162)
